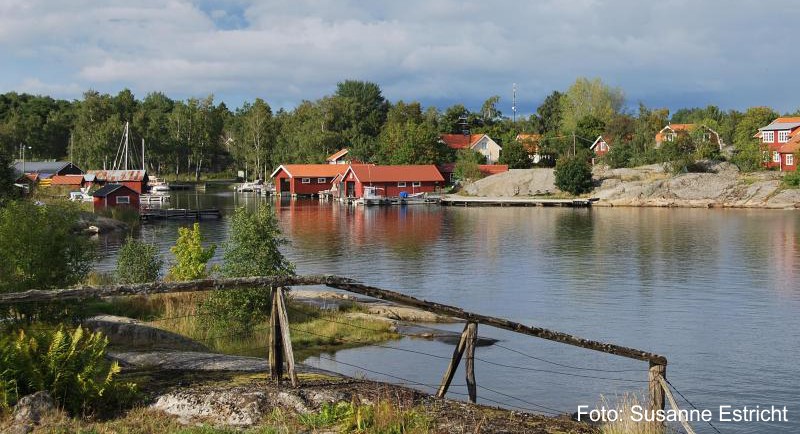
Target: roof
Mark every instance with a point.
(366, 173)
(110, 188)
(337, 155)
(782, 123)
(310, 170)
(529, 141)
(118, 175)
(67, 179)
(42, 166)
(598, 140)
(789, 148)
(460, 141)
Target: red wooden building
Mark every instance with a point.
(305, 179)
(392, 180)
(600, 147)
(776, 138)
(136, 180)
(112, 195)
(74, 182)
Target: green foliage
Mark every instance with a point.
(330, 414)
(382, 418)
(71, 366)
(515, 155)
(253, 249)
(190, 256)
(589, 98)
(360, 112)
(411, 143)
(7, 189)
(792, 179)
(550, 113)
(574, 174)
(588, 128)
(137, 262)
(467, 162)
(39, 248)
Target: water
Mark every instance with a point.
(715, 291)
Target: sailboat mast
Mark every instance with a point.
(143, 166)
(125, 151)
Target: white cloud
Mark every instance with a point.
(417, 49)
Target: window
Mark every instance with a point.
(776, 157)
(783, 136)
(603, 146)
(790, 159)
(416, 184)
(768, 136)
(123, 199)
(305, 180)
(670, 137)
(707, 137)
(401, 184)
(322, 180)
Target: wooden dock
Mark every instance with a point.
(173, 213)
(451, 200)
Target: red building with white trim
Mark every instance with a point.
(136, 180)
(305, 179)
(391, 180)
(114, 195)
(775, 139)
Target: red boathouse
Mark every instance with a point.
(113, 195)
(393, 180)
(305, 179)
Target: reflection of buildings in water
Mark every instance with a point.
(785, 250)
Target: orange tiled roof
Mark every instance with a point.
(311, 170)
(367, 173)
(460, 141)
(677, 128)
(67, 179)
(529, 141)
(337, 155)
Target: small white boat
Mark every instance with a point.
(158, 185)
(250, 187)
(371, 196)
(81, 196)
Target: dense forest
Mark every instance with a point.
(201, 135)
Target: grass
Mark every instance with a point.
(313, 330)
(624, 424)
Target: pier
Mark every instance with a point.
(173, 213)
(451, 200)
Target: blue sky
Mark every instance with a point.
(670, 53)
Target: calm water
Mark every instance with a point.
(715, 291)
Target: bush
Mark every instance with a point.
(792, 179)
(70, 366)
(137, 262)
(466, 168)
(191, 258)
(574, 175)
(253, 249)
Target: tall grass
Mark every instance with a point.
(625, 424)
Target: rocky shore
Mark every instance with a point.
(720, 186)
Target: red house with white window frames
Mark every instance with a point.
(391, 180)
(776, 138)
(305, 179)
(600, 147)
(115, 195)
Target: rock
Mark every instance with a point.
(200, 361)
(102, 224)
(293, 401)
(130, 333)
(515, 182)
(30, 410)
(225, 407)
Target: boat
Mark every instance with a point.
(371, 196)
(81, 196)
(158, 185)
(251, 187)
(153, 198)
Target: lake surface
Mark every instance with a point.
(715, 291)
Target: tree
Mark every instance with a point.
(550, 113)
(190, 256)
(588, 129)
(515, 155)
(589, 98)
(361, 112)
(411, 143)
(253, 249)
(489, 111)
(7, 188)
(138, 262)
(256, 134)
(750, 153)
(467, 162)
(574, 174)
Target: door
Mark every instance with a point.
(350, 189)
(285, 188)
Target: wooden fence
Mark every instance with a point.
(280, 347)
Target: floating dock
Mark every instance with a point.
(173, 213)
(514, 201)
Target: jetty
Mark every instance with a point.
(175, 213)
(452, 200)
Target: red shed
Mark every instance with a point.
(392, 179)
(136, 180)
(600, 147)
(111, 195)
(305, 179)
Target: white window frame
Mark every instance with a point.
(783, 136)
(416, 184)
(790, 159)
(670, 137)
(119, 200)
(322, 180)
(305, 180)
(776, 157)
(401, 183)
(768, 136)
(603, 146)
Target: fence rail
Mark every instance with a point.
(280, 347)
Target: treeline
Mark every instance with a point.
(200, 135)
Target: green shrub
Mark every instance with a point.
(253, 249)
(792, 179)
(574, 175)
(190, 256)
(137, 262)
(70, 366)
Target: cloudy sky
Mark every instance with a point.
(665, 53)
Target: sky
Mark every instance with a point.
(665, 53)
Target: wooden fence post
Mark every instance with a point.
(451, 368)
(472, 338)
(275, 341)
(657, 373)
(286, 339)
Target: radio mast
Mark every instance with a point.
(514, 102)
